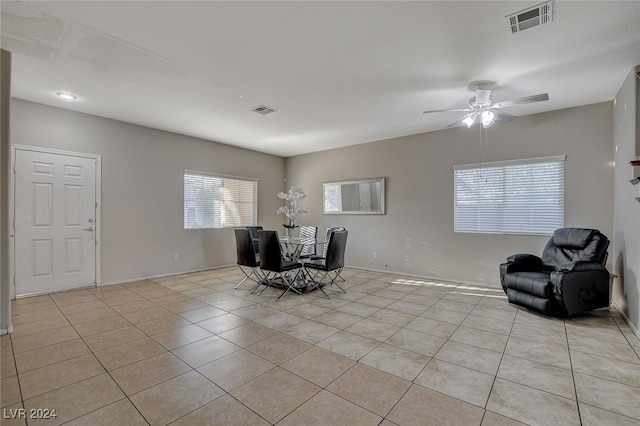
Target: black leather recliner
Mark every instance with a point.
(568, 279)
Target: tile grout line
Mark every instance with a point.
(495, 376)
(573, 376)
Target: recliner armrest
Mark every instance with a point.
(581, 266)
(580, 286)
(525, 259)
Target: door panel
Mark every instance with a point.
(43, 204)
(73, 205)
(42, 258)
(55, 212)
(73, 255)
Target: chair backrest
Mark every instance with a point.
(254, 235)
(337, 245)
(308, 232)
(270, 251)
(245, 251)
(574, 244)
(330, 230)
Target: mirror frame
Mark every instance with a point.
(380, 180)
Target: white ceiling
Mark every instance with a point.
(338, 73)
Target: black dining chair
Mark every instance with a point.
(330, 229)
(273, 263)
(247, 258)
(254, 235)
(331, 266)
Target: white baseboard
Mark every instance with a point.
(626, 319)
(424, 277)
(128, 280)
(6, 330)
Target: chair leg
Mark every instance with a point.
(247, 276)
(265, 281)
(289, 283)
(318, 282)
(330, 281)
(338, 275)
(262, 280)
(333, 281)
(323, 292)
(312, 278)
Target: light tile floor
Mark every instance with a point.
(191, 350)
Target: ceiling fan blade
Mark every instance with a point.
(448, 110)
(456, 123)
(521, 101)
(503, 116)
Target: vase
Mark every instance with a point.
(290, 231)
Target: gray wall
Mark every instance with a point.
(142, 188)
(626, 248)
(416, 235)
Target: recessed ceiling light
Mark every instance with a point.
(66, 96)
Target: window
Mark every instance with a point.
(510, 197)
(218, 201)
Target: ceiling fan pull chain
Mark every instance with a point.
(486, 148)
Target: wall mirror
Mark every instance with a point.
(356, 196)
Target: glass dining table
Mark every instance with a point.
(292, 250)
(293, 247)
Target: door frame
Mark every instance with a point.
(12, 200)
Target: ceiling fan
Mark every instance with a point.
(482, 106)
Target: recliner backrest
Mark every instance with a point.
(574, 244)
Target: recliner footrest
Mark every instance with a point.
(535, 283)
(529, 301)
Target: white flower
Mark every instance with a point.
(294, 198)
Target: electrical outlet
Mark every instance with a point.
(375, 254)
(176, 256)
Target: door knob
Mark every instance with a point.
(90, 229)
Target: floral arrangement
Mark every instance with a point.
(293, 208)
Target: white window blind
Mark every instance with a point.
(218, 201)
(511, 197)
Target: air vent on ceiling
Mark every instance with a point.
(531, 17)
(264, 110)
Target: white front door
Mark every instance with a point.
(55, 213)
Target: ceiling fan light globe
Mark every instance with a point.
(468, 121)
(488, 119)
